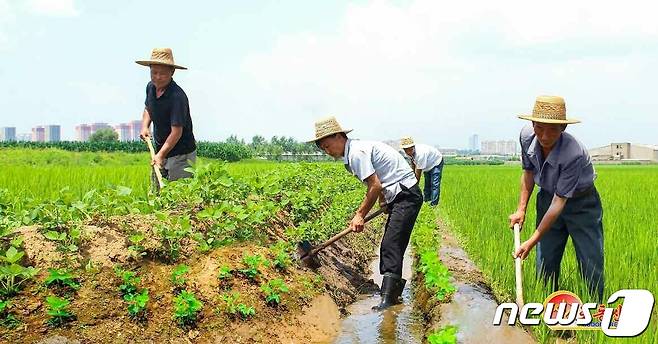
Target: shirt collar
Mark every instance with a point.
(166, 91)
(534, 150)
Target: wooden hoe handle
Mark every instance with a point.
(156, 169)
(335, 238)
(517, 266)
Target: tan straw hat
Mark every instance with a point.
(161, 56)
(327, 126)
(407, 142)
(549, 109)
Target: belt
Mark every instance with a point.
(590, 190)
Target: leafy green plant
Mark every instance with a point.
(246, 311)
(129, 281)
(171, 232)
(137, 304)
(186, 308)
(231, 301)
(13, 275)
(281, 252)
(57, 309)
(225, 273)
(6, 318)
(272, 291)
(447, 335)
(67, 242)
(61, 278)
(235, 308)
(136, 241)
(252, 265)
(225, 276)
(178, 276)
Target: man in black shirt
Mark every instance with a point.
(167, 107)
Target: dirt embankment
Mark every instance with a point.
(309, 313)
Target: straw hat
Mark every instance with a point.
(407, 142)
(549, 109)
(161, 56)
(327, 126)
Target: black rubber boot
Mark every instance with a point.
(391, 290)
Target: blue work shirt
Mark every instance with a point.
(171, 109)
(567, 171)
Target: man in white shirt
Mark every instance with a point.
(388, 178)
(428, 160)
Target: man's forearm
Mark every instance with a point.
(372, 195)
(169, 144)
(418, 173)
(527, 185)
(553, 212)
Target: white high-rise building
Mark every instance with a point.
(8, 134)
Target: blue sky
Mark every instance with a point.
(437, 70)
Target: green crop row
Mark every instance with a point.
(214, 150)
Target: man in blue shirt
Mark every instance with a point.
(166, 105)
(388, 178)
(568, 204)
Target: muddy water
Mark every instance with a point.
(397, 324)
(472, 307)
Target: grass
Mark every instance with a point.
(476, 202)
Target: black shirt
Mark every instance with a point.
(171, 109)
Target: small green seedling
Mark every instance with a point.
(178, 276)
(57, 309)
(246, 312)
(186, 308)
(6, 318)
(137, 304)
(272, 291)
(129, 281)
(252, 264)
(61, 278)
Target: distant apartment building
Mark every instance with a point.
(98, 126)
(24, 137)
(39, 134)
(474, 142)
(124, 132)
(8, 134)
(501, 147)
(135, 129)
(82, 132)
(52, 133)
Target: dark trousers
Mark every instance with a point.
(401, 219)
(432, 189)
(582, 220)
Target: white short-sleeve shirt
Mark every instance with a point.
(426, 157)
(363, 158)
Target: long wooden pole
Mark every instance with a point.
(517, 266)
(156, 169)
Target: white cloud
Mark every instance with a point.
(56, 8)
(456, 61)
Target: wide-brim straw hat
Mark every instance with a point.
(326, 127)
(549, 109)
(161, 56)
(407, 142)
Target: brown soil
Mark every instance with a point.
(309, 313)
